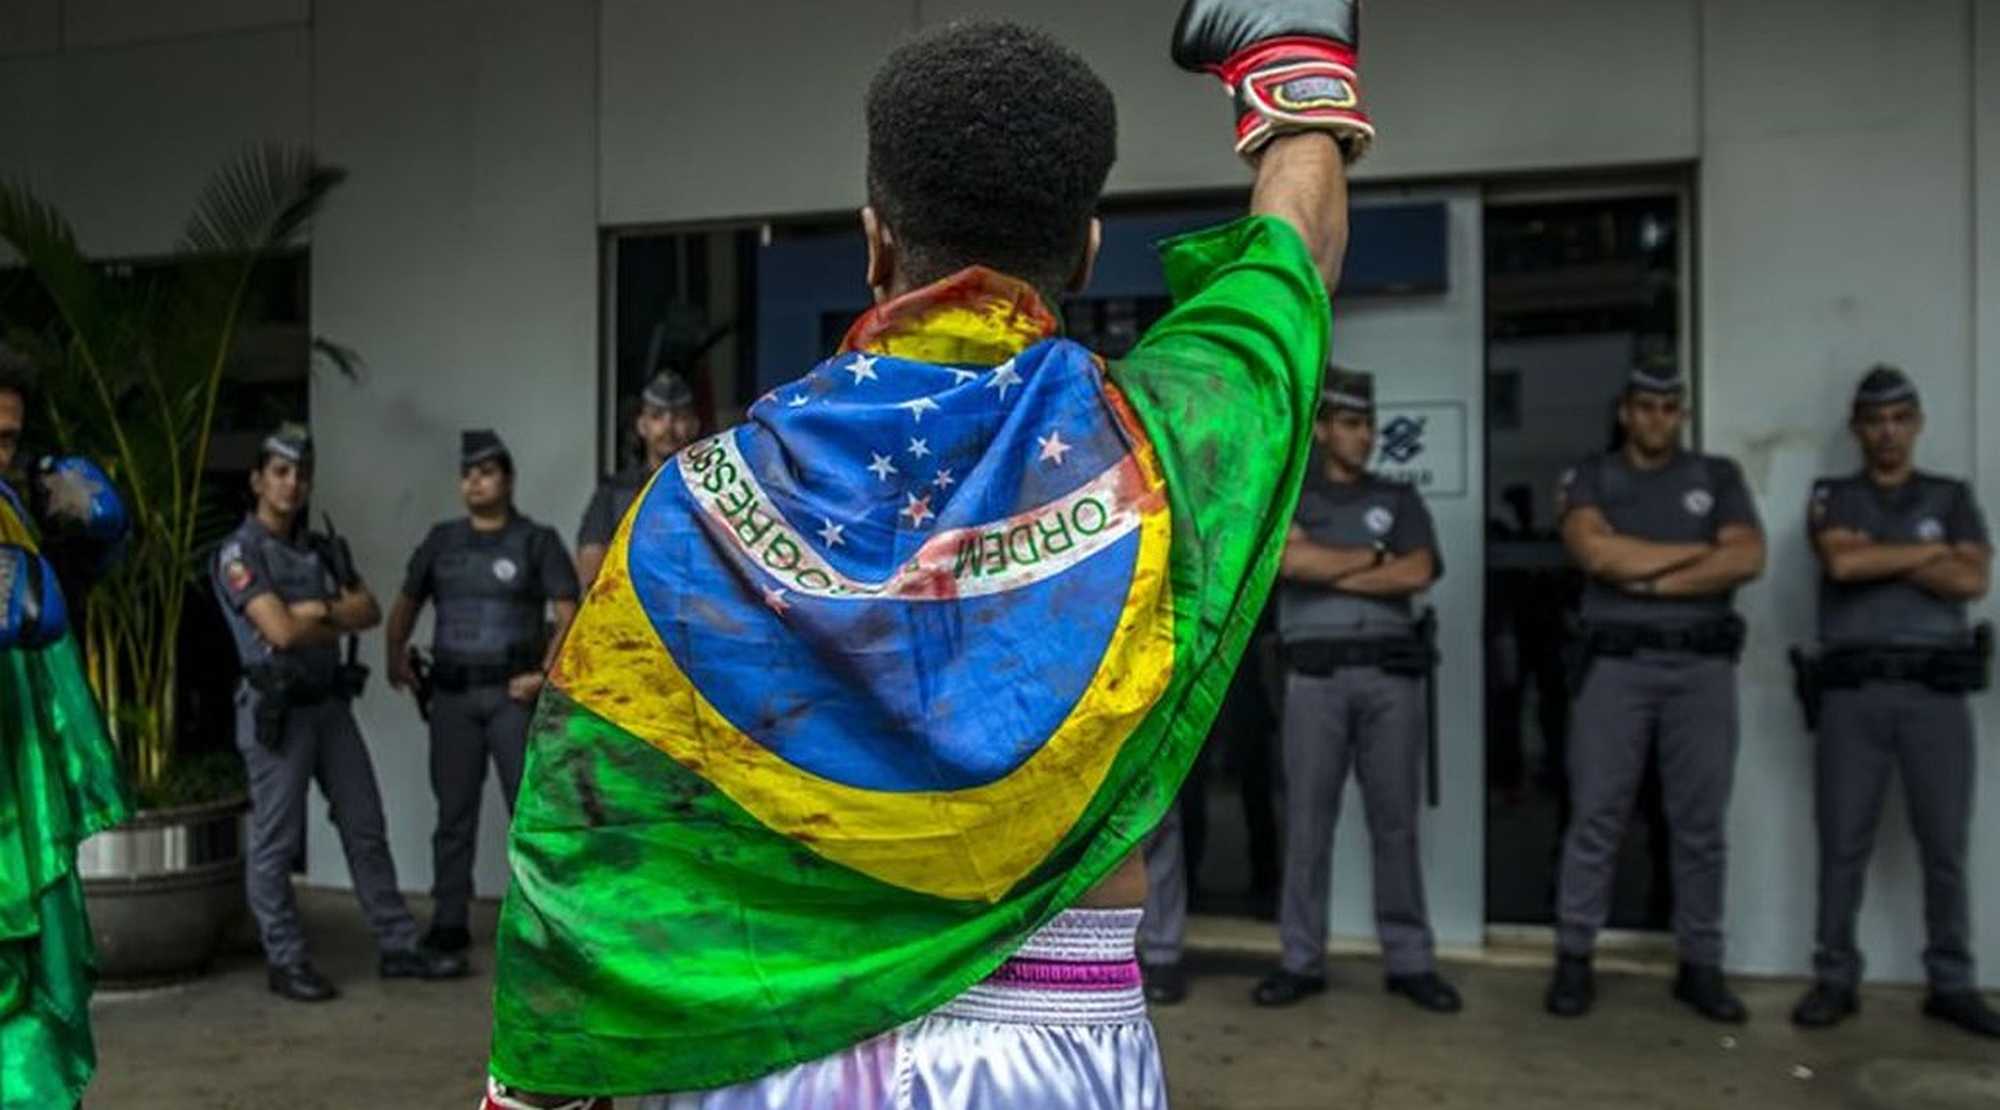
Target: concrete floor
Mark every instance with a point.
(224, 1043)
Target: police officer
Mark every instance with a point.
(493, 575)
(667, 422)
(1902, 552)
(289, 597)
(1360, 548)
(1664, 536)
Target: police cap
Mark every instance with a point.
(1885, 385)
(1353, 390)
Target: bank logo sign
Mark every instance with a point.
(1423, 443)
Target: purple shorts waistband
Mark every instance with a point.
(1066, 975)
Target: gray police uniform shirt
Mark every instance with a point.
(251, 563)
(1689, 500)
(1354, 514)
(609, 504)
(1928, 508)
(490, 590)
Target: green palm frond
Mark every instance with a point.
(132, 372)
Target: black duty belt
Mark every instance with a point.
(457, 677)
(1957, 669)
(1400, 655)
(1722, 636)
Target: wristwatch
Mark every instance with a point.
(1381, 552)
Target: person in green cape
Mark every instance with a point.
(59, 780)
(836, 792)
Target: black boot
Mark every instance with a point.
(1965, 1009)
(1283, 988)
(447, 938)
(1825, 1005)
(1166, 984)
(1702, 988)
(1427, 991)
(1573, 989)
(300, 982)
(422, 963)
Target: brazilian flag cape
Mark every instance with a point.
(59, 783)
(873, 685)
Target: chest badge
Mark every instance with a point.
(1379, 520)
(1698, 502)
(505, 570)
(1930, 529)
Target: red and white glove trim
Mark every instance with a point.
(1287, 85)
(499, 1098)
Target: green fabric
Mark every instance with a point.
(59, 783)
(658, 938)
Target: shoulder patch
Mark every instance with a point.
(236, 572)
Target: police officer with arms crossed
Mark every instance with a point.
(667, 422)
(493, 575)
(1902, 552)
(289, 597)
(1361, 547)
(1665, 536)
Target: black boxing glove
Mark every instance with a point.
(1289, 64)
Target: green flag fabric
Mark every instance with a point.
(59, 784)
(828, 740)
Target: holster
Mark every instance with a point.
(281, 688)
(1808, 685)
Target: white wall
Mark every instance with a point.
(1836, 231)
(124, 138)
(461, 259)
(1585, 83)
(756, 111)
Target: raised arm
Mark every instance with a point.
(1302, 180)
(1291, 68)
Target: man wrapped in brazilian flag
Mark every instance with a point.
(59, 779)
(835, 794)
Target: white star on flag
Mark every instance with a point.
(960, 377)
(944, 479)
(1004, 378)
(919, 407)
(1053, 448)
(918, 510)
(797, 401)
(863, 368)
(919, 447)
(776, 600)
(830, 535)
(881, 466)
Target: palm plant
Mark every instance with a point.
(131, 371)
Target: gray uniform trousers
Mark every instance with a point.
(1689, 703)
(468, 727)
(1372, 722)
(1865, 735)
(1163, 928)
(321, 742)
